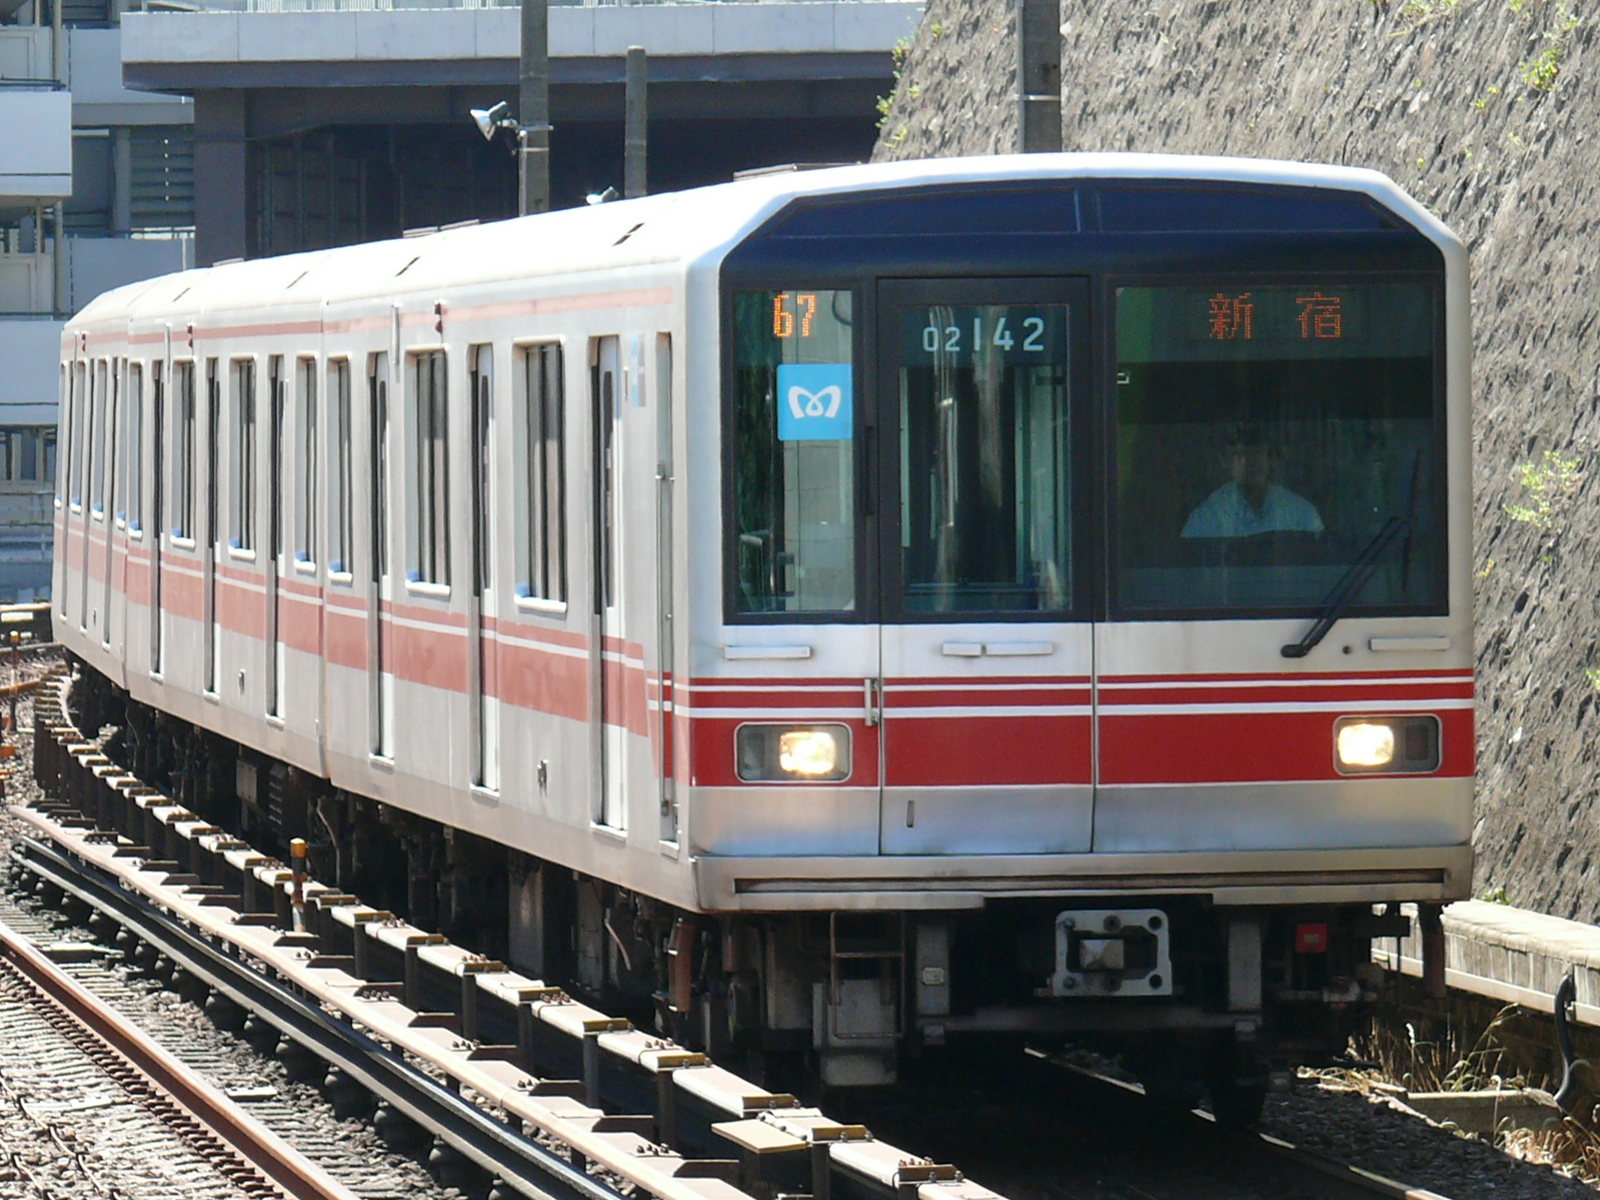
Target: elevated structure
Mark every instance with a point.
(321, 128)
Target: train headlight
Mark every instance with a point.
(792, 753)
(1386, 745)
(1366, 745)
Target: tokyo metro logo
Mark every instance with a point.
(814, 402)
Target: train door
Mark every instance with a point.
(987, 731)
(213, 542)
(110, 498)
(666, 745)
(606, 646)
(277, 391)
(481, 617)
(92, 426)
(380, 594)
(157, 525)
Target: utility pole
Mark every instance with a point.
(1038, 76)
(635, 138)
(533, 109)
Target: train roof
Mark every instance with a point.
(689, 228)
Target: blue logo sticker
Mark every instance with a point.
(814, 402)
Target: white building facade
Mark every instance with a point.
(96, 190)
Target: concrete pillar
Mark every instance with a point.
(533, 109)
(220, 201)
(1038, 76)
(122, 179)
(635, 140)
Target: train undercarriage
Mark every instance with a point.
(1193, 997)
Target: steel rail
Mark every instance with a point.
(525, 1165)
(255, 1150)
(1327, 1176)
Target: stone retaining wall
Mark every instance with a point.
(1488, 111)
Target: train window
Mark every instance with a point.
(1272, 438)
(378, 427)
(429, 508)
(541, 474)
(97, 439)
(985, 458)
(242, 375)
(76, 441)
(183, 450)
(340, 499)
(305, 546)
(64, 407)
(133, 454)
(793, 451)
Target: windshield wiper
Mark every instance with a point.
(1350, 586)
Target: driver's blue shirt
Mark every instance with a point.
(1227, 514)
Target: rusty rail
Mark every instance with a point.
(247, 1152)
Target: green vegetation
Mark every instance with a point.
(885, 104)
(1545, 482)
(1540, 73)
(1421, 11)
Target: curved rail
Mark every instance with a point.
(247, 1152)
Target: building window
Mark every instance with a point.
(339, 498)
(542, 476)
(244, 454)
(183, 450)
(430, 468)
(27, 455)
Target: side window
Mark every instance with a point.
(427, 419)
(378, 463)
(340, 501)
(541, 476)
(75, 443)
(97, 438)
(244, 454)
(305, 545)
(64, 406)
(183, 450)
(133, 454)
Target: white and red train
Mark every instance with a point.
(849, 610)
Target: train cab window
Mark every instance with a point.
(242, 375)
(183, 450)
(341, 502)
(541, 476)
(429, 495)
(985, 458)
(793, 454)
(305, 543)
(77, 439)
(1271, 440)
(133, 453)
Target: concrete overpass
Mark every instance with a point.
(321, 127)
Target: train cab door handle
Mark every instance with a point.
(870, 700)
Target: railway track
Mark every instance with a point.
(80, 1048)
(550, 1097)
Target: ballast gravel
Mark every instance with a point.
(1341, 1115)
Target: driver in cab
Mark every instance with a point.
(1249, 503)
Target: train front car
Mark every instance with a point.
(1093, 654)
